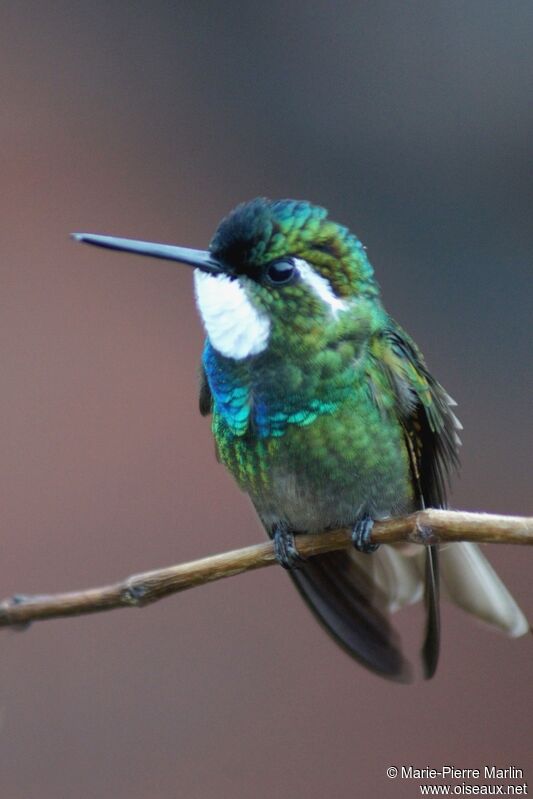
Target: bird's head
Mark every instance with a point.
(274, 270)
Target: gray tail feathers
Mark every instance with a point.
(353, 610)
(470, 581)
(352, 595)
(431, 647)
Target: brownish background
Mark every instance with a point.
(412, 123)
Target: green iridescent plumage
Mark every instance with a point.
(344, 369)
(325, 414)
(337, 418)
(260, 231)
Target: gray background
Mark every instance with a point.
(411, 122)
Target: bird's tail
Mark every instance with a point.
(351, 605)
(470, 582)
(353, 594)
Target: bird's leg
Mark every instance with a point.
(361, 532)
(285, 548)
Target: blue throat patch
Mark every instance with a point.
(265, 406)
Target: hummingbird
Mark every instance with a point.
(326, 415)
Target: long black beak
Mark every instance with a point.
(201, 259)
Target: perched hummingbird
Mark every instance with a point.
(325, 413)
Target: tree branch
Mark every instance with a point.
(424, 527)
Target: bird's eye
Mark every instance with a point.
(280, 272)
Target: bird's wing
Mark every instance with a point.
(424, 410)
(432, 434)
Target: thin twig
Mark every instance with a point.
(424, 527)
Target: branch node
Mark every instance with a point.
(424, 534)
(16, 601)
(133, 595)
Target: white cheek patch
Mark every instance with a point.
(320, 286)
(236, 328)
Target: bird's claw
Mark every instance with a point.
(361, 532)
(285, 549)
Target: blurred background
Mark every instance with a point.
(412, 123)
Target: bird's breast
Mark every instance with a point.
(325, 473)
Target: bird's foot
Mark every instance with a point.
(361, 532)
(285, 548)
